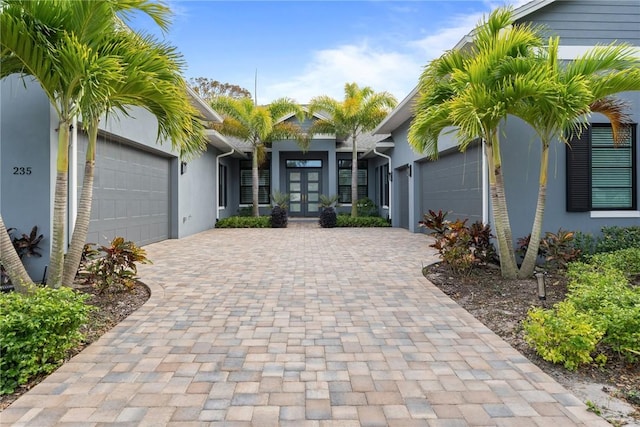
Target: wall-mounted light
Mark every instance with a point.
(409, 167)
(390, 174)
(183, 168)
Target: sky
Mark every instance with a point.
(301, 49)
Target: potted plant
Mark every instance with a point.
(279, 216)
(328, 215)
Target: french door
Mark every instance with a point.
(304, 188)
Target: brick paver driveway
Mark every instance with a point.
(302, 327)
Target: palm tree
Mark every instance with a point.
(361, 111)
(260, 126)
(461, 89)
(582, 87)
(57, 43)
(150, 78)
(11, 262)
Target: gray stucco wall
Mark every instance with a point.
(578, 23)
(453, 184)
(196, 194)
(25, 127)
(521, 159)
(590, 22)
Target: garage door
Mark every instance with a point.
(453, 183)
(130, 194)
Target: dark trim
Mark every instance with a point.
(579, 185)
(578, 167)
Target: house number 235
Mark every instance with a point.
(22, 170)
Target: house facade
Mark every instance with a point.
(142, 191)
(590, 185)
(323, 168)
(145, 193)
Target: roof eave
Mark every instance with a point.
(207, 112)
(518, 14)
(399, 115)
(217, 140)
(381, 147)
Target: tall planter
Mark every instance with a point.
(279, 217)
(328, 217)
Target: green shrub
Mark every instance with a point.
(625, 260)
(585, 243)
(245, 222)
(367, 208)
(563, 334)
(36, 331)
(615, 238)
(604, 293)
(601, 305)
(360, 221)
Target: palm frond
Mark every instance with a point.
(617, 111)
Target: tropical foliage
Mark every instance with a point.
(88, 63)
(510, 70)
(259, 125)
(361, 111)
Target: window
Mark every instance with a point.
(601, 176)
(344, 180)
(264, 183)
(222, 186)
(304, 163)
(383, 184)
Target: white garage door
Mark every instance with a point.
(131, 194)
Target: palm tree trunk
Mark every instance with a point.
(11, 262)
(56, 260)
(254, 182)
(530, 258)
(502, 226)
(79, 237)
(354, 178)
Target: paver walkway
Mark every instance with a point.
(298, 327)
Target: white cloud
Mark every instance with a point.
(384, 69)
(434, 45)
(330, 69)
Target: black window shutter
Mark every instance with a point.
(579, 172)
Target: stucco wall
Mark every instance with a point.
(25, 127)
(521, 159)
(197, 193)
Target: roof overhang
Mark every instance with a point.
(218, 141)
(317, 115)
(518, 14)
(381, 147)
(203, 108)
(399, 115)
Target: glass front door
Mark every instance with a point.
(303, 186)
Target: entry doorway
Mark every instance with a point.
(304, 186)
